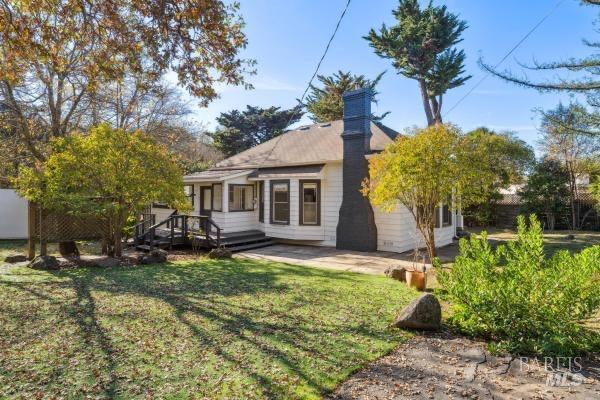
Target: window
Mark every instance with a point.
(217, 200)
(205, 199)
(310, 202)
(261, 201)
(447, 212)
(189, 192)
(241, 197)
(280, 202)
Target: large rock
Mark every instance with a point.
(45, 262)
(220, 252)
(397, 273)
(424, 313)
(156, 256)
(15, 258)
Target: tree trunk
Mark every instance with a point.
(121, 218)
(572, 196)
(550, 218)
(426, 105)
(436, 108)
(425, 223)
(118, 245)
(68, 249)
(430, 243)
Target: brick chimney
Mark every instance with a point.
(356, 229)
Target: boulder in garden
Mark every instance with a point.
(45, 263)
(397, 273)
(15, 258)
(156, 256)
(423, 313)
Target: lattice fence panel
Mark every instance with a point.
(59, 226)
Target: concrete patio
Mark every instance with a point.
(328, 257)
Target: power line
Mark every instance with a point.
(337, 26)
(512, 50)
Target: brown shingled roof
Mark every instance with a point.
(316, 143)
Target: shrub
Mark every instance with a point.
(516, 296)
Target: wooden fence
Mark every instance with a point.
(51, 226)
(509, 207)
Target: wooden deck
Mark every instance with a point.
(179, 233)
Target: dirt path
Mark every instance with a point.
(440, 366)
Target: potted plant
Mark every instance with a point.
(417, 277)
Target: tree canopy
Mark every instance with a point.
(326, 103)
(546, 192)
(57, 58)
(422, 47)
(511, 159)
(562, 140)
(109, 173)
(241, 130)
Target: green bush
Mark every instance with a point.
(526, 302)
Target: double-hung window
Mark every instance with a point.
(261, 201)
(241, 197)
(189, 193)
(447, 212)
(310, 202)
(217, 197)
(280, 202)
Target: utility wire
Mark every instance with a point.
(512, 50)
(337, 26)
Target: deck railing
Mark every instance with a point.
(184, 227)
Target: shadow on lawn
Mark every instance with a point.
(201, 291)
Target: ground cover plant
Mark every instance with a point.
(201, 328)
(522, 299)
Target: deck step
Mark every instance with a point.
(242, 240)
(157, 244)
(249, 246)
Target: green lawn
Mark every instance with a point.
(553, 240)
(202, 329)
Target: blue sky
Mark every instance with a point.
(287, 38)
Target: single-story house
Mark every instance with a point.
(304, 187)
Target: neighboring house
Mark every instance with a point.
(304, 186)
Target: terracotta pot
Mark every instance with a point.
(416, 279)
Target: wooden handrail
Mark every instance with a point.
(206, 225)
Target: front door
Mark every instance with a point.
(205, 200)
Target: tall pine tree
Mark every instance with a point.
(241, 130)
(422, 47)
(326, 103)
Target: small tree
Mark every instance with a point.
(563, 140)
(422, 47)
(423, 170)
(327, 103)
(546, 193)
(108, 173)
